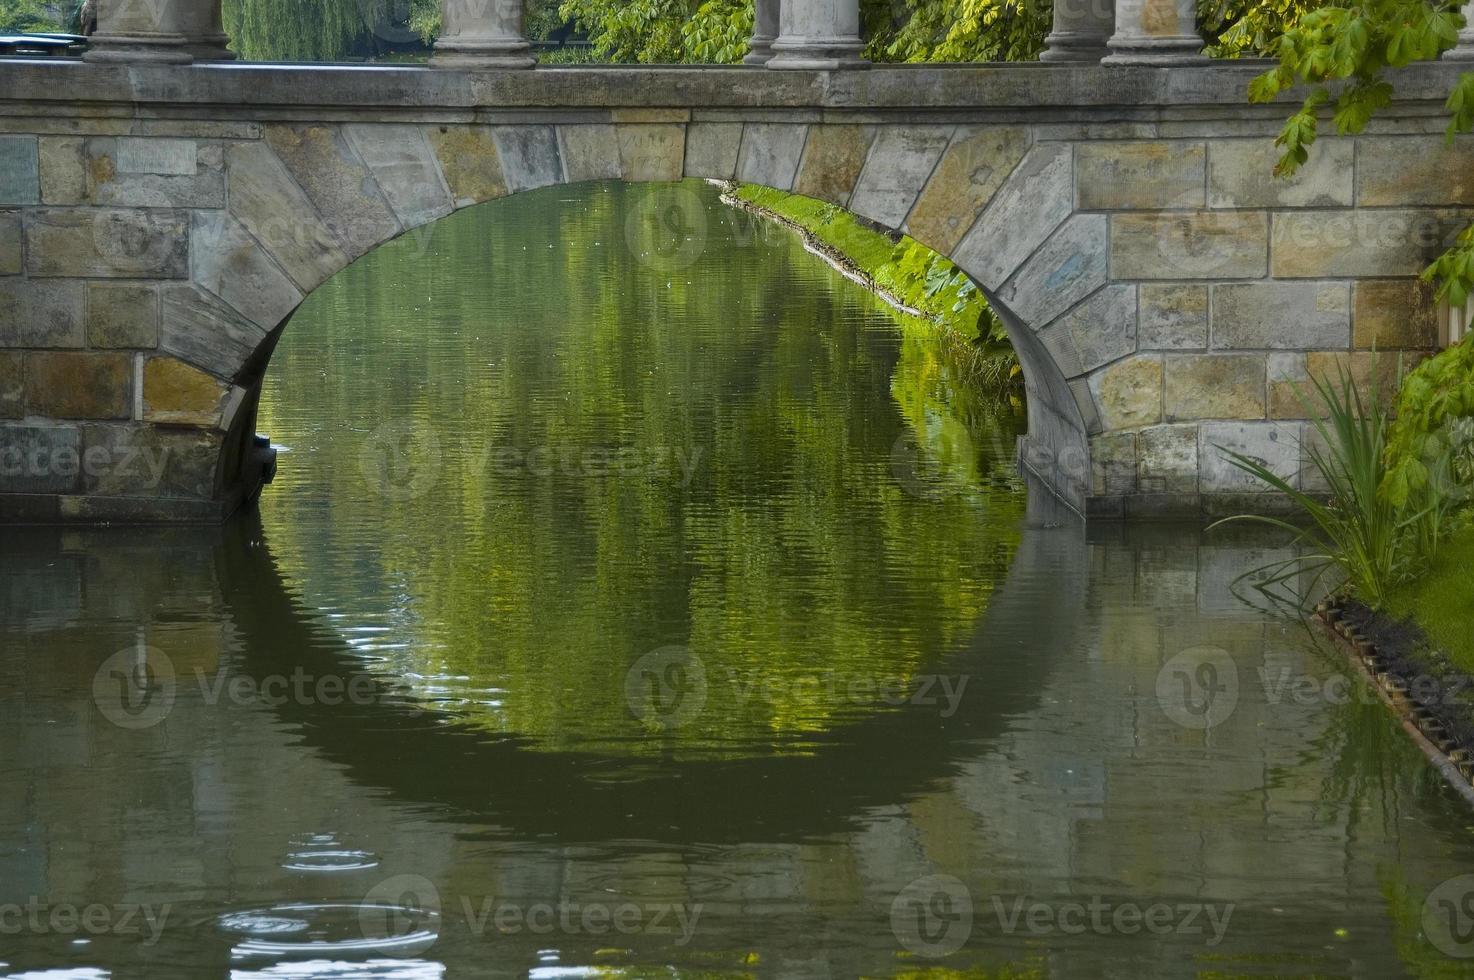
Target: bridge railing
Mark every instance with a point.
(795, 34)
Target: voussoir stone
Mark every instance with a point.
(651, 151)
(228, 262)
(1104, 326)
(280, 217)
(711, 150)
(975, 165)
(405, 168)
(529, 156)
(900, 160)
(770, 154)
(339, 184)
(590, 152)
(1140, 174)
(1067, 268)
(832, 161)
(1035, 199)
(79, 385)
(1215, 386)
(107, 243)
(197, 327)
(470, 162)
(1281, 315)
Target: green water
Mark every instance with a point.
(639, 597)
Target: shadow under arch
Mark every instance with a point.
(423, 756)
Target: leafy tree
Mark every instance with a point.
(18, 16)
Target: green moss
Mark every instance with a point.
(1442, 601)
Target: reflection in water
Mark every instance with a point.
(206, 733)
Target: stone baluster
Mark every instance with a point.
(1156, 32)
(166, 31)
(1465, 49)
(764, 32)
(1081, 30)
(818, 34)
(481, 34)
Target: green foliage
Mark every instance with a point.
(1440, 601)
(1431, 447)
(289, 30)
(966, 30)
(17, 16)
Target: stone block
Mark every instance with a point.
(40, 313)
(279, 215)
(652, 151)
(122, 315)
(1190, 245)
(1113, 464)
(11, 253)
(12, 392)
(1059, 341)
(832, 161)
(1393, 171)
(770, 154)
(200, 329)
(227, 261)
(148, 461)
(976, 163)
(339, 184)
(1274, 444)
(1281, 315)
(1312, 480)
(1288, 382)
(469, 161)
(1393, 314)
(1173, 316)
(79, 385)
(1215, 386)
(529, 156)
(1366, 369)
(63, 170)
(1104, 326)
(20, 176)
(1356, 244)
(1068, 267)
(174, 393)
(1128, 394)
(1167, 459)
(1241, 175)
(107, 243)
(128, 171)
(1140, 175)
(1084, 400)
(40, 458)
(589, 152)
(1035, 199)
(900, 160)
(402, 163)
(711, 150)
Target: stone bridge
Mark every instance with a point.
(164, 210)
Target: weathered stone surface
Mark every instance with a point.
(277, 212)
(404, 166)
(1189, 245)
(1113, 463)
(470, 162)
(1066, 269)
(770, 154)
(122, 315)
(1355, 243)
(1140, 175)
(1241, 175)
(40, 458)
(1167, 459)
(78, 385)
(1174, 316)
(1059, 340)
(202, 330)
(12, 396)
(1288, 384)
(897, 167)
(1032, 203)
(1281, 315)
(1215, 386)
(107, 243)
(1402, 170)
(1104, 326)
(227, 261)
(1129, 393)
(529, 156)
(1365, 368)
(145, 460)
(63, 170)
(589, 152)
(652, 152)
(976, 163)
(711, 150)
(40, 313)
(1274, 444)
(832, 162)
(174, 393)
(10, 243)
(338, 183)
(1394, 314)
(20, 178)
(131, 171)
(1084, 400)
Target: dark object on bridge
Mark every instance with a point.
(43, 45)
(263, 462)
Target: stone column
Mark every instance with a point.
(1156, 32)
(167, 31)
(818, 34)
(481, 34)
(1465, 49)
(764, 32)
(1081, 30)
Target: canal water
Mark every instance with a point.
(640, 597)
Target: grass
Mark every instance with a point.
(1442, 600)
